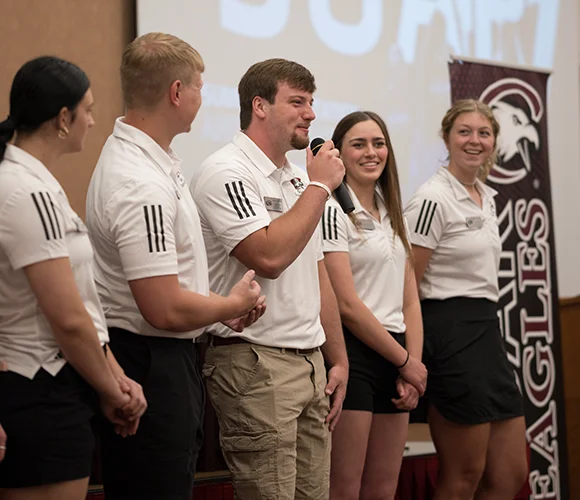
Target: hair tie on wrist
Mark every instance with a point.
(406, 360)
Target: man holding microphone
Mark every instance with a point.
(268, 383)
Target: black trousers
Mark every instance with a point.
(159, 461)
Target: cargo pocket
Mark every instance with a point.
(251, 458)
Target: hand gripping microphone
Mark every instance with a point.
(341, 192)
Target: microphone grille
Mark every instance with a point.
(316, 143)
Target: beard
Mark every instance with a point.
(299, 142)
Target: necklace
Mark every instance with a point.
(471, 184)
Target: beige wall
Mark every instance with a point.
(90, 33)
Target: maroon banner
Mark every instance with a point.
(527, 279)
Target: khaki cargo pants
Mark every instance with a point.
(271, 407)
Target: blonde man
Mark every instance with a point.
(151, 271)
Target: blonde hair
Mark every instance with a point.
(472, 106)
(151, 63)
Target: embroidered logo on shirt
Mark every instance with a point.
(425, 217)
(239, 200)
(47, 213)
(329, 225)
(298, 185)
(155, 232)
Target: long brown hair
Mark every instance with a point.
(389, 178)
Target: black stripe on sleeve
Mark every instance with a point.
(40, 214)
(248, 204)
(162, 230)
(55, 217)
(330, 224)
(425, 217)
(148, 228)
(420, 216)
(239, 198)
(431, 218)
(426, 214)
(155, 230)
(233, 201)
(43, 197)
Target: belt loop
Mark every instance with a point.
(283, 350)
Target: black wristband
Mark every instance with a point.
(406, 360)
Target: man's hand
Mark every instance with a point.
(246, 294)
(326, 167)
(238, 324)
(336, 389)
(408, 395)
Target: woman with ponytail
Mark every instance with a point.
(52, 328)
(475, 409)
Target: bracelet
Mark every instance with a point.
(323, 186)
(406, 360)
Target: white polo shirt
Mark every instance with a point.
(238, 192)
(464, 238)
(143, 223)
(377, 258)
(37, 224)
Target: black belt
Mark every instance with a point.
(222, 341)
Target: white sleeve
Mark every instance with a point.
(230, 201)
(32, 227)
(319, 245)
(334, 229)
(424, 215)
(141, 218)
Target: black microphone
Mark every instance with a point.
(341, 192)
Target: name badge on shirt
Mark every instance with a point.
(474, 222)
(274, 204)
(367, 224)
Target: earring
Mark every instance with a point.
(63, 133)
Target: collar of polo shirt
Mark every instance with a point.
(36, 167)
(259, 158)
(459, 189)
(358, 208)
(166, 160)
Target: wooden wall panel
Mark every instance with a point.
(90, 33)
(570, 332)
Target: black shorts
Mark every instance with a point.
(372, 379)
(159, 461)
(48, 424)
(470, 379)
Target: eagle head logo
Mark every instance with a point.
(518, 127)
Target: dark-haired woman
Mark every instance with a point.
(475, 408)
(51, 324)
(367, 258)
